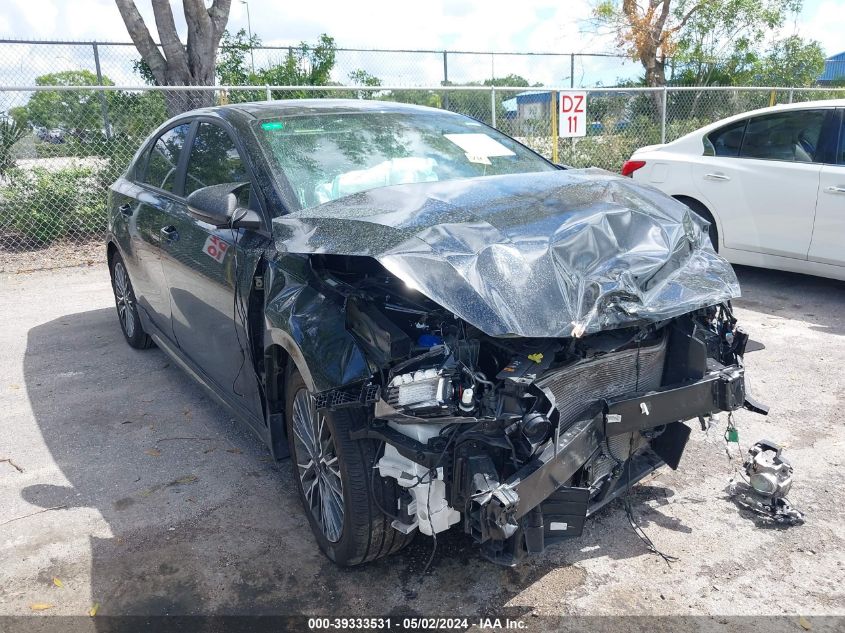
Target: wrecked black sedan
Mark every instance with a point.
(440, 327)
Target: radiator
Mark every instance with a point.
(578, 386)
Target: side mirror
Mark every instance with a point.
(218, 205)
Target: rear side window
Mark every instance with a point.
(793, 136)
(725, 141)
(214, 160)
(164, 158)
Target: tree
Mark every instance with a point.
(648, 32)
(134, 115)
(232, 68)
(725, 39)
(361, 77)
(790, 62)
(78, 112)
(11, 131)
(705, 36)
(305, 65)
(176, 64)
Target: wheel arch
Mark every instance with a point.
(703, 210)
(111, 249)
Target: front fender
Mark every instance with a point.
(311, 328)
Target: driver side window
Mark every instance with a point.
(163, 158)
(215, 160)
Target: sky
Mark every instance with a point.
(469, 25)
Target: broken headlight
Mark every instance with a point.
(425, 391)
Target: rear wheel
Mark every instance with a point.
(335, 481)
(704, 212)
(127, 307)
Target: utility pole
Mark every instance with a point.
(249, 30)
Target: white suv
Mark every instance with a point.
(771, 182)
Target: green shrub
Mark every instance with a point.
(11, 132)
(43, 205)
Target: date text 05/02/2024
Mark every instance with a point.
(414, 623)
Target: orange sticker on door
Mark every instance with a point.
(215, 248)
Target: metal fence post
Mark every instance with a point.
(493, 105)
(104, 105)
(554, 130)
(663, 116)
(790, 95)
(267, 92)
(445, 80)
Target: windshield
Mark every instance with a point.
(327, 156)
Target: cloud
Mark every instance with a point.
(824, 24)
(468, 25)
(36, 18)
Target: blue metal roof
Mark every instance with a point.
(834, 68)
(534, 96)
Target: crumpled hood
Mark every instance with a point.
(551, 254)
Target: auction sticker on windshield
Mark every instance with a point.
(479, 146)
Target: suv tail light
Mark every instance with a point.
(631, 166)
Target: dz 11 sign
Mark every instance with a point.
(572, 114)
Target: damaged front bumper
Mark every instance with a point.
(548, 497)
(536, 502)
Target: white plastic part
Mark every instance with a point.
(433, 512)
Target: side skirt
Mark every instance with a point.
(236, 409)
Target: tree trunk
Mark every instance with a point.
(655, 77)
(173, 64)
(179, 101)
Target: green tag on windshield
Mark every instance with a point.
(273, 125)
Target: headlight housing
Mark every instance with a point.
(422, 392)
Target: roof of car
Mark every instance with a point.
(801, 105)
(293, 107)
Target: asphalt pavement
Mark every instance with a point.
(123, 485)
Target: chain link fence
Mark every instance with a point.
(23, 62)
(62, 146)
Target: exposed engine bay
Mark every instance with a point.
(517, 440)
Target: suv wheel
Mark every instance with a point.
(336, 484)
(127, 308)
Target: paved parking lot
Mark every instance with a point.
(138, 493)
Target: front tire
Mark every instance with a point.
(336, 485)
(127, 306)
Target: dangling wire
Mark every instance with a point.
(626, 503)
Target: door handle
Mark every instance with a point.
(170, 234)
(835, 190)
(717, 176)
(125, 209)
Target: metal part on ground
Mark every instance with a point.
(769, 481)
